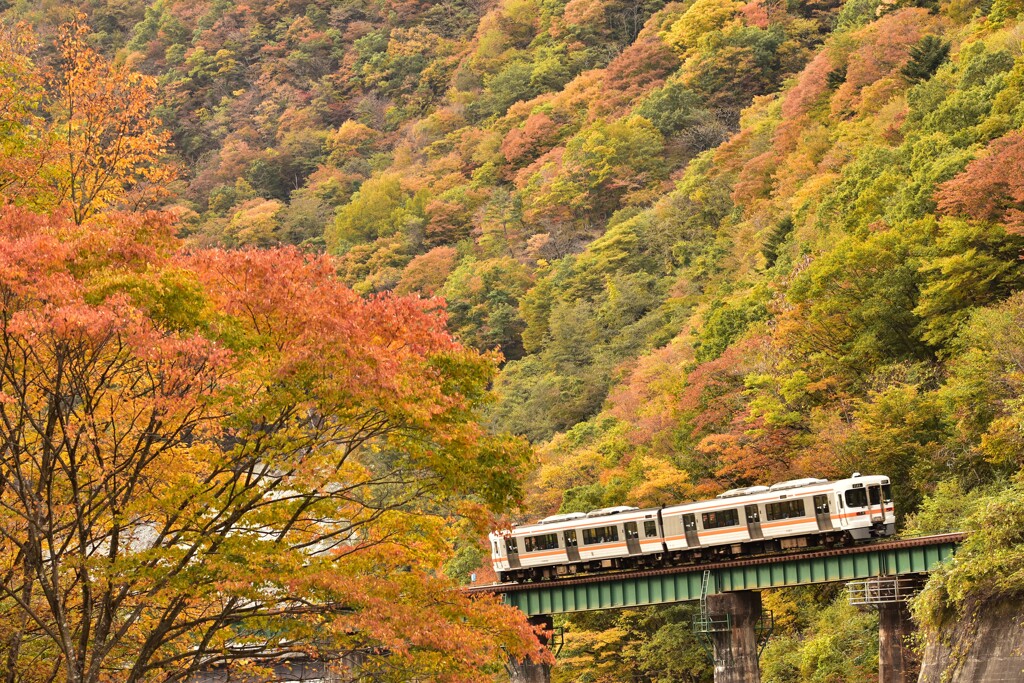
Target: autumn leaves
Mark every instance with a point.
(82, 133)
(210, 456)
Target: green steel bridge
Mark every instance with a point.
(678, 584)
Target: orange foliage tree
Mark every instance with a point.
(213, 457)
(110, 141)
(219, 455)
(25, 149)
(991, 188)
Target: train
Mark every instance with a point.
(754, 520)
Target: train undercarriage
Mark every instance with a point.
(694, 556)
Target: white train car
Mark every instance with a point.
(574, 542)
(789, 514)
(752, 520)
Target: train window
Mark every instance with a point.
(689, 523)
(542, 542)
(570, 539)
(510, 545)
(887, 493)
(496, 551)
(876, 495)
(720, 518)
(785, 509)
(650, 529)
(631, 530)
(601, 534)
(856, 498)
(821, 505)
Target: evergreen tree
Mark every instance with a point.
(925, 59)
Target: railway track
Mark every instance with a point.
(921, 541)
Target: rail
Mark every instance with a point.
(604, 577)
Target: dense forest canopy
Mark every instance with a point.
(716, 243)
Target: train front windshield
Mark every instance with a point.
(860, 498)
(857, 498)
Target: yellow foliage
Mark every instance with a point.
(703, 17)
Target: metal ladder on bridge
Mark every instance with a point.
(704, 593)
(706, 622)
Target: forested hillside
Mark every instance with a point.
(716, 243)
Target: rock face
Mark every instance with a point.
(985, 648)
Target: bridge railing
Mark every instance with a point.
(883, 590)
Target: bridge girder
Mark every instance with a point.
(680, 584)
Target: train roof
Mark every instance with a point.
(780, 490)
(595, 518)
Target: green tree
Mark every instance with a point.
(381, 208)
(856, 302)
(925, 58)
(605, 165)
(483, 302)
(654, 644)
(983, 393)
(975, 265)
(989, 565)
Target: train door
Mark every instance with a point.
(876, 507)
(512, 550)
(572, 546)
(753, 521)
(690, 528)
(822, 513)
(632, 538)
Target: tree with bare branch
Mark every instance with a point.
(211, 457)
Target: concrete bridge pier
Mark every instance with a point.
(735, 649)
(527, 671)
(896, 662)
